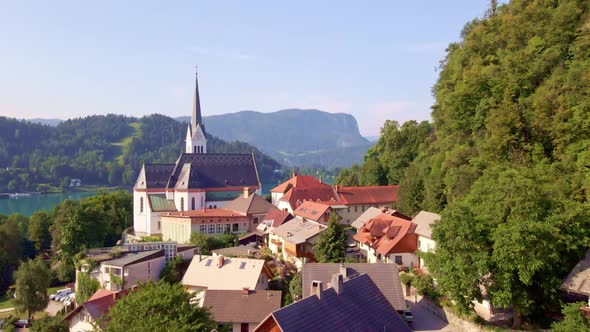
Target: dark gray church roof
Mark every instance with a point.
(156, 175)
(212, 170)
(360, 307)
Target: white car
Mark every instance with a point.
(70, 299)
(64, 295)
(60, 292)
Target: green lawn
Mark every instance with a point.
(124, 143)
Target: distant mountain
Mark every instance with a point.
(49, 122)
(294, 137)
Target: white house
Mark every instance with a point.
(424, 221)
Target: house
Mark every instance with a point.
(197, 180)
(237, 251)
(294, 240)
(359, 199)
(389, 239)
(219, 272)
(179, 226)
(296, 181)
(373, 212)
(312, 211)
(243, 309)
(354, 304)
(125, 266)
(254, 206)
(83, 317)
(272, 220)
(424, 221)
(384, 276)
(349, 202)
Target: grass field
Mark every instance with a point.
(124, 143)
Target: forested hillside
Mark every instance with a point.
(506, 159)
(103, 150)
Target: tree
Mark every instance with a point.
(50, 324)
(200, 241)
(32, 281)
(157, 307)
(573, 319)
(39, 230)
(170, 273)
(86, 287)
(332, 242)
(295, 287)
(11, 250)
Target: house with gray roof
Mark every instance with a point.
(354, 304)
(384, 276)
(197, 180)
(424, 221)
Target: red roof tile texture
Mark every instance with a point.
(389, 234)
(367, 195)
(311, 210)
(299, 181)
(277, 217)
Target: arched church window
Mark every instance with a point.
(194, 149)
(141, 204)
(193, 203)
(182, 204)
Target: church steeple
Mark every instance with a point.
(196, 141)
(196, 117)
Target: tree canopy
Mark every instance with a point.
(331, 245)
(157, 307)
(32, 281)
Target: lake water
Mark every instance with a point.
(28, 205)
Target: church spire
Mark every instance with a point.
(196, 117)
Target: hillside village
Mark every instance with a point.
(474, 220)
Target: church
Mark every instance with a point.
(198, 180)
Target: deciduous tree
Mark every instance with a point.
(32, 281)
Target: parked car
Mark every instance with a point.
(408, 316)
(64, 295)
(23, 323)
(70, 299)
(59, 293)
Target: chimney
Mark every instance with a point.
(294, 174)
(220, 261)
(245, 291)
(317, 288)
(246, 192)
(343, 271)
(338, 283)
(337, 188)
(320, 179)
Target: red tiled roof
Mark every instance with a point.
(367, 195)
(277, 217)
(299, 181)
(311, 210)
(389, 234)
(296, 196)
(101, 293)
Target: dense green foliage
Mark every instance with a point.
(157, 307)
(102, 150)
(573, 319)
(331, 245)
(208, 243)
(86, 286)
(296, 287)
(170, 272)
(50, 324)
(506, 159)
(73, 226)
(32, 281)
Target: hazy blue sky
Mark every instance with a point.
(374, 59)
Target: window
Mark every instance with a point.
(244, 327)
(193, 203)
(194, 149)
(149, 268)
(236, 227)
(228, 228)
(141, 204)
(158, 224)
(356, 209)
(211, 228)
(398, 260)
(255, 221)
(219, 228)
(203, 228)
(419, 244)
(181, 203)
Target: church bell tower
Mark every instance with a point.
(196, 141)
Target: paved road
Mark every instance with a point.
(53, 307)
